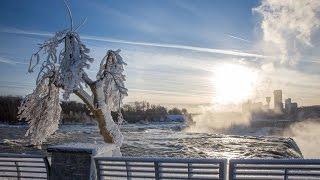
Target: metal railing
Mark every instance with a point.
(274, 169)
(159, 168)
(23, 166)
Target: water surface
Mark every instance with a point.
(165, 140)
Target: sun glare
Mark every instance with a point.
(233, 83)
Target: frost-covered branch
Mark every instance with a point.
(111, 74)
(85, 97)
(87, 79)
(49, 47)
(41, 110)
(70, 15)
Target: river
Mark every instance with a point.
(164, 140)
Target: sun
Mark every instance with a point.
(233, 83)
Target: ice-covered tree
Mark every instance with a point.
(62, 70)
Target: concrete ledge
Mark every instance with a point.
(82, 148)
(75, 160)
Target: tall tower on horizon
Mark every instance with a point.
(268, 99)
(278, 105)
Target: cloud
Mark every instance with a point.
(23, 32)
(238, 38)
(9, 61)
(169, 92)
(288, 26)
(149, 44)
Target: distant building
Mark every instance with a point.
(294, 107)
(268, 99)
(287, 105)
(278, 105)
(290, 107)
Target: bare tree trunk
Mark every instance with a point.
(108, 128)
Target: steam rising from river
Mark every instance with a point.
(306, 134)
(289, 27)
(215, 122)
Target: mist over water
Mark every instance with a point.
(306, 134)
(210, 121)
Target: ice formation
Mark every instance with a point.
(65, 70)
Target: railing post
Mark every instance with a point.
(189, 171)
(128, 171)
(231, 169)
(156, 170)
(97, 165)
(285, 174)
(18, 170)
(222, 170)
(46, 162)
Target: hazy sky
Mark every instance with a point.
(178, 51)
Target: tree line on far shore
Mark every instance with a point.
(75, 112)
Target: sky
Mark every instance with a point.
(178, 51)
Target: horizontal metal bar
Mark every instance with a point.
(186, 166)
(125, 170)
(173, 166)
(11, 155)
(186, 172)
(275, 168)
(129, 165)
(161, 177)
(259, 178)
(162, 171)
(160, 166)
(160, 160)
(205, 166)
(276, 174)
(174, 172)
(131, 176)
(110, 164)
(33, 177)
(22, 171)
(276, 161)
(200, 178)
(261, 173)
(303, 174)
(22, 160)
(31, 166)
